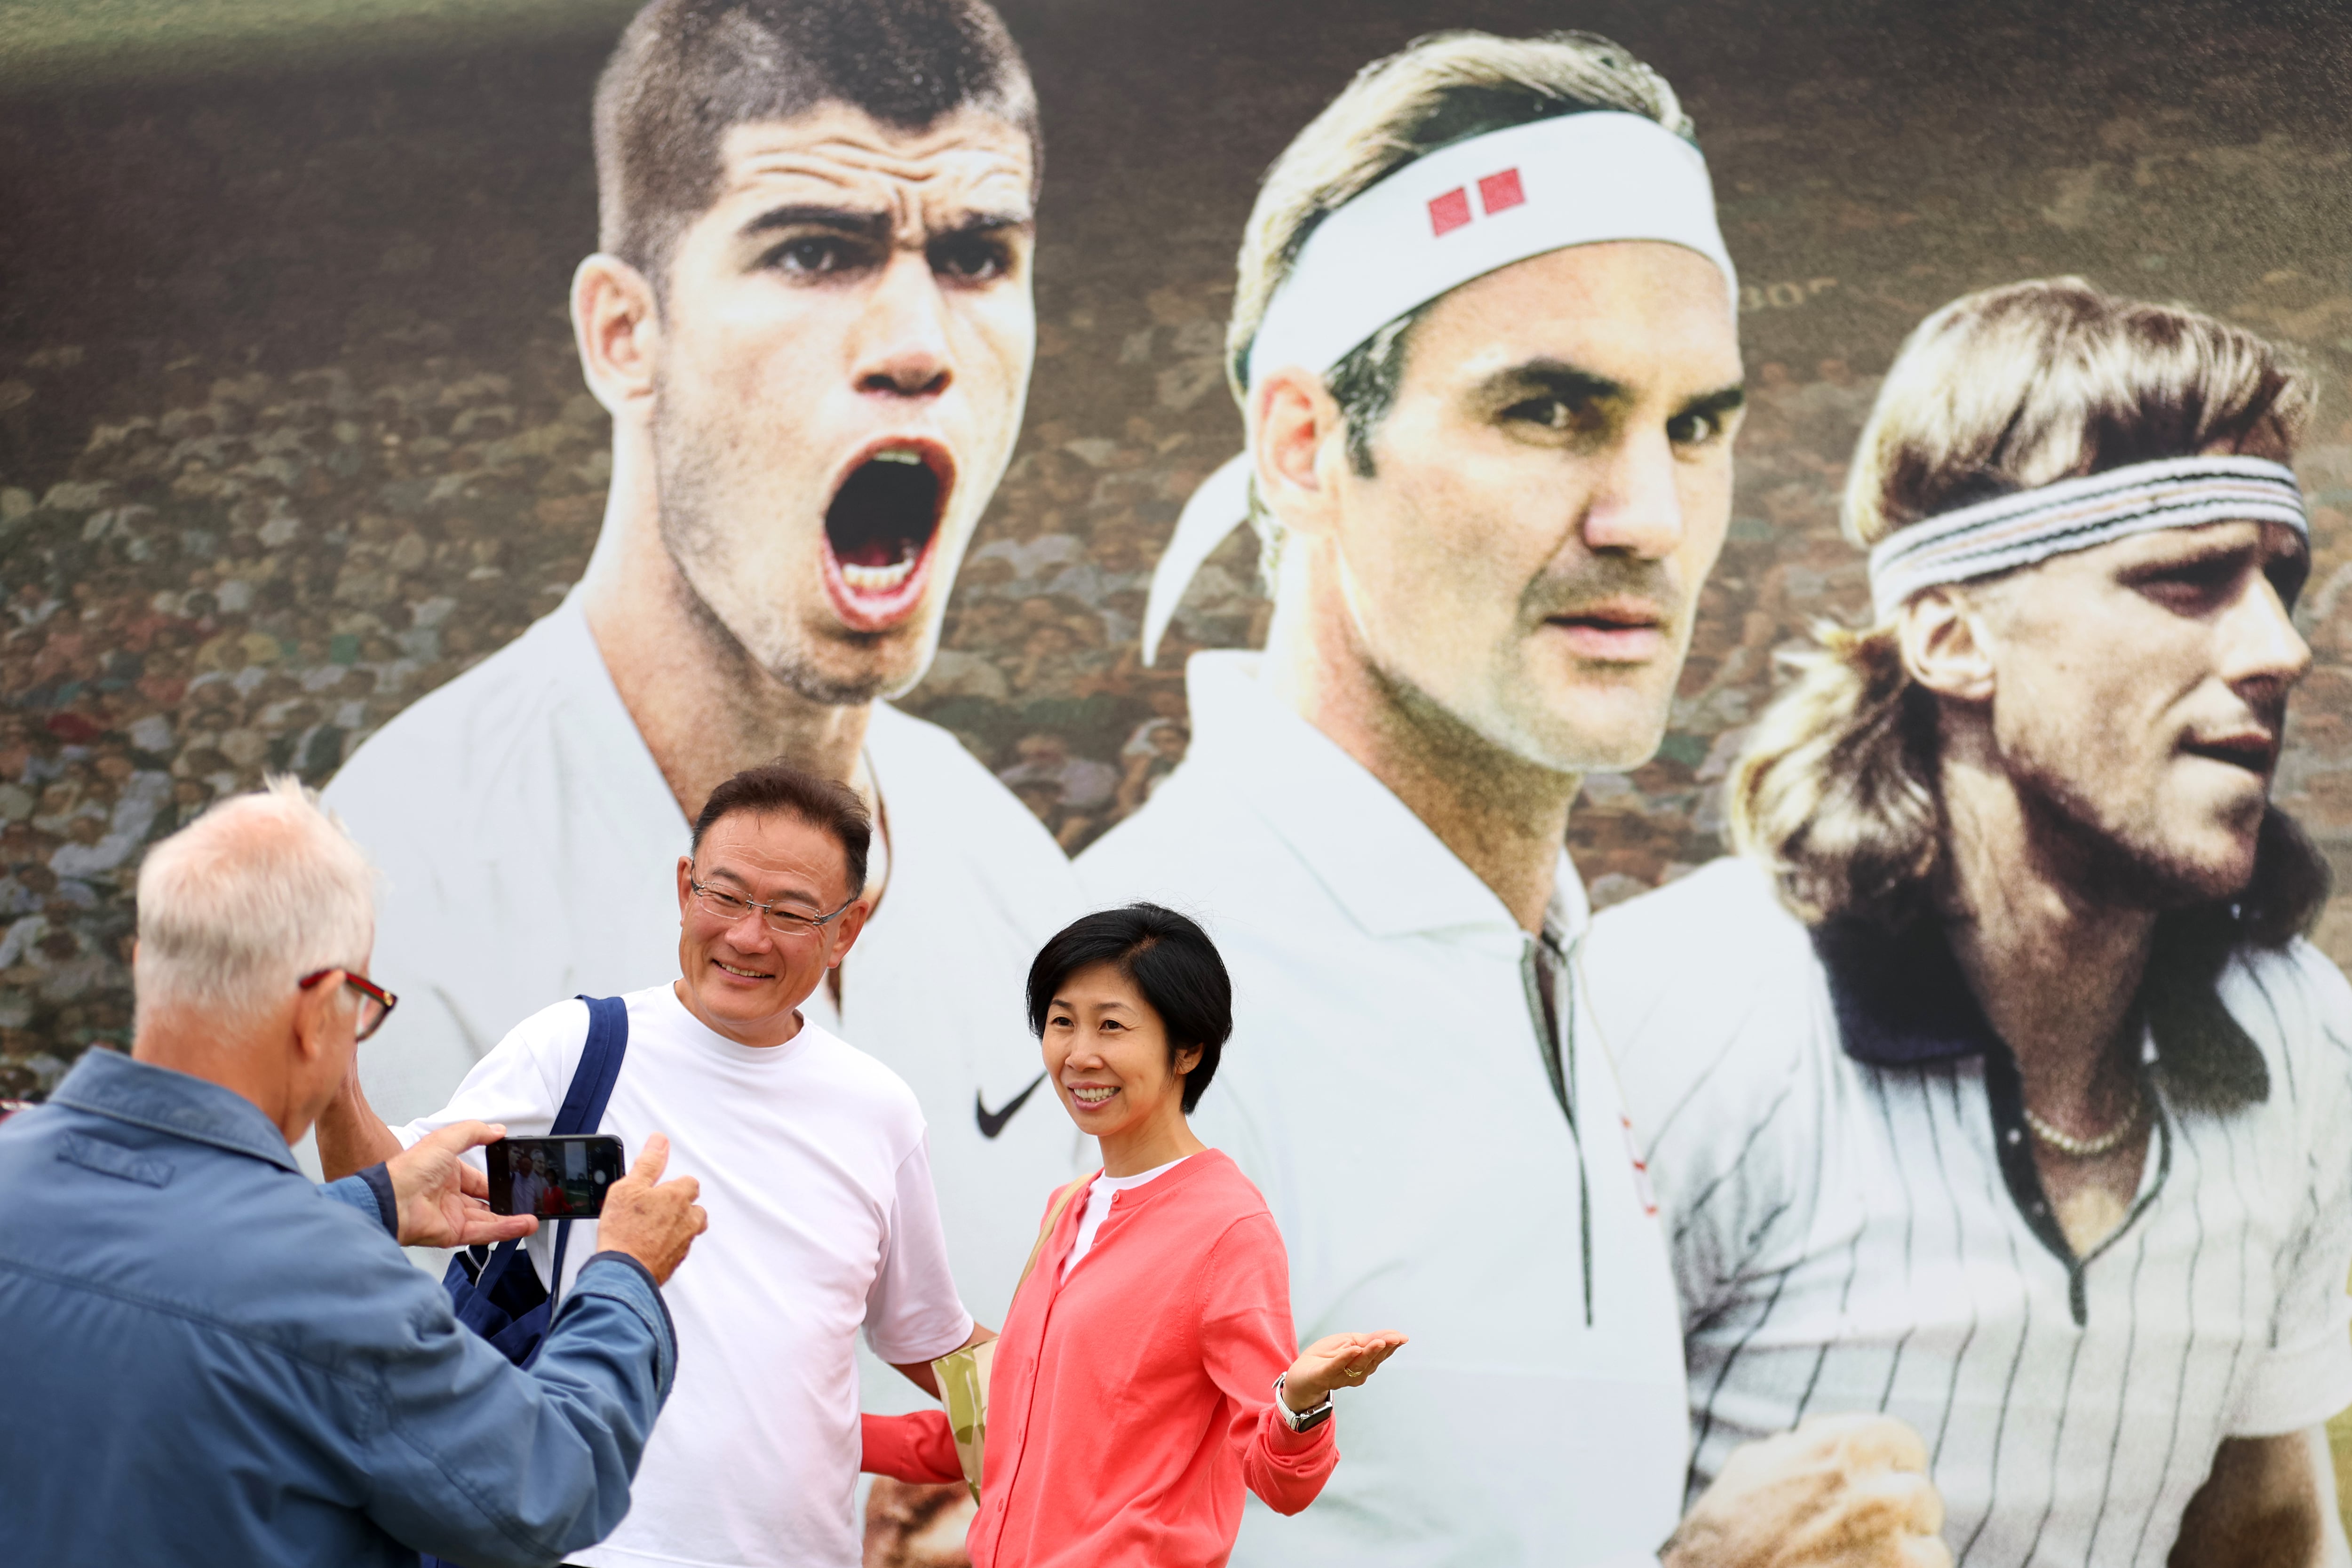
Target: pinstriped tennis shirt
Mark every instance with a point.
(1837, 1140)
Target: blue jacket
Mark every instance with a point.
(205, 1359)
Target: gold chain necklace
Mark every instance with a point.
(2089, 1148)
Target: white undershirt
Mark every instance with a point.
(1098, 1204)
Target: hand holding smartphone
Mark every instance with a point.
(555, 1178)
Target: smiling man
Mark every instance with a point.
(1485, 347)
(1994, 1087)
(810, 320)
(813, 1166)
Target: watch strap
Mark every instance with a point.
(1305, 1420)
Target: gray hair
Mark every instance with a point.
(236, 908)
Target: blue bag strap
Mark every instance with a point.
(600, 1065)
(583, 1108)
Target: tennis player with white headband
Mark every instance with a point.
(1485, 344)
(2011, 1101)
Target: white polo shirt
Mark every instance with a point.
(1838, 1144)
(529, 841)
(1386, 1088)
(823, 1222)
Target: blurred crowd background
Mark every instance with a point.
(291, 431)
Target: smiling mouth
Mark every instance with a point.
(741, 974)
(1092, 1096)
(879, 531)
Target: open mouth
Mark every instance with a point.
(879, 531)
(741, 974)
(1093, 1096)
(2254, 752)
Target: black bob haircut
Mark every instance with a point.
(1170, 959)
(779, 789)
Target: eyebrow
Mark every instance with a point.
(1715, 405)
(1574, 384)
(1569, 383)
(871, 223)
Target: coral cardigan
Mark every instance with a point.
(1130, 1403)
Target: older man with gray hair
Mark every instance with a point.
(204, 1348)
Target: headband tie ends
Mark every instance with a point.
(2030, 526)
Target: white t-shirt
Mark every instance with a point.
(1098, 1198)
(528, 845)
(816, 1175)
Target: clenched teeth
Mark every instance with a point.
(1091, 1096)
(746, 974)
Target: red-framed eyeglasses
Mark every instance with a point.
(375, 1002)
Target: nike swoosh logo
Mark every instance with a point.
(991, 1123)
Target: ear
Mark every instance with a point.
(684, 887)
(317, 1009)
(1187, 1059)
(1301, 442)
(1946, 647)
(616, 323)
(847, 925)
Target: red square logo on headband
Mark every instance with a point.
(1450, 211)
(1497, 192)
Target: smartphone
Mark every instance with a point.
(555, 1178)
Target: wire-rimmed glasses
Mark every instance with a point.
(732, 907)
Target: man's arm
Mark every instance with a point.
(920, 1373)
(352, 1136)
(2259, 1508)
(478, 1460)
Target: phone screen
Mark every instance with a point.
(555, 1178)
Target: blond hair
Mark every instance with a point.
(2000, 391)
(1438, 89)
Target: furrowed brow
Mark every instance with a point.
(864, 223)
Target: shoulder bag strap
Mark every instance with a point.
(585, 1100)
(1052, 1217)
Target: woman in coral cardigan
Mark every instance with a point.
(1147, 1370)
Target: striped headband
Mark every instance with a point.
(1445, 219)
(2030, 526)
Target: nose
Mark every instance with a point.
(1636, 505)
(2261, 645)
(902, 351)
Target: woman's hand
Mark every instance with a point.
(1335, 1361)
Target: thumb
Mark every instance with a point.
(652, 1160)
(460, 1136)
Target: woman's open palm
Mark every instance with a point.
(1337, 1360)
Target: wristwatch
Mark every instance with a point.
(1305, 1420)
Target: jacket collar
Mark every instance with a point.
(1903, 1002)
(107, 1083)
(1379, 861)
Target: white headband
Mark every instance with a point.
(1437, 223)
(2019, 529)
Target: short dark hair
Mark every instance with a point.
(1169, 958)
(686, 71)
(781, 789)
